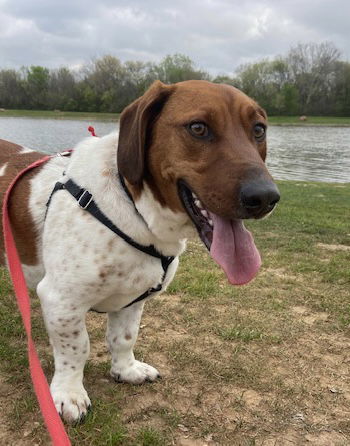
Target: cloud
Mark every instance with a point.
(218, 35)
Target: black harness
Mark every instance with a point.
(87, 203)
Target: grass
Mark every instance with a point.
(56, 114)
(266, 363)
(336, 121)
(273, 120)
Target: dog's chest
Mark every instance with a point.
(92, 266)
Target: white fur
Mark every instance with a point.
(3, 169)
(25, 150)
(84, 265)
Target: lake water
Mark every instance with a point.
(295, 153)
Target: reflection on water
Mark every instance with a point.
(295, 153)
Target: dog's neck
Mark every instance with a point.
(93, 166)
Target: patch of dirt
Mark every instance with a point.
(280, 273)
(306, 316)
(326, 439)
(331, 247)
(9, 434)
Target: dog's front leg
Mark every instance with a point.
(66, 327)
(122, 331)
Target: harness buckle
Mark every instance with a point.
(65, 153)
(85, 199)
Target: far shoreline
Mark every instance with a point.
(329, 121)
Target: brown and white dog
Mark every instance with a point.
(192, 156)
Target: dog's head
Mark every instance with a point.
(201, 149)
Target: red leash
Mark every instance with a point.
(52, 419)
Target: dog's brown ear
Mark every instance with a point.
(135, 126)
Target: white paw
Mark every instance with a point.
(136, 373)
(71, 403)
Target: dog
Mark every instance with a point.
(189, 158)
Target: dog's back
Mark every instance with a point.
(13, 159)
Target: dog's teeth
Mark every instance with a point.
(210, 222)
(204, 213)
(198, 204)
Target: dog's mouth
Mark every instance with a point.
(230, 244)
(198, 214)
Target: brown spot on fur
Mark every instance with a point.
(120, 274)
(63, 335)
(22, 223)
(115, 339)
(76, 333)
(128, 336)
(74, 347)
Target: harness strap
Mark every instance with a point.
(87, 203)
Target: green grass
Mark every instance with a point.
(238, 363)
(51, 114)
(273, 120)
(337, 121)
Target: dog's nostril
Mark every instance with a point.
(251, 201)
(259, 197)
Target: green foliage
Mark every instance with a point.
(37, 85)
(105, 85)
(310, 80)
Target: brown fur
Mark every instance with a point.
(21, 221)
(158, 148)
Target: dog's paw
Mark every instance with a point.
(71, 404)
(137, 373)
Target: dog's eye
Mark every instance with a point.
(259, 132)
(198, 129)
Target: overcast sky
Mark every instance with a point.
(218, 35)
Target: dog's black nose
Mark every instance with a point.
(258, 198)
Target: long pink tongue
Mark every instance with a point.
(233, 249)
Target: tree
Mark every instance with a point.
(62, 90)
(312, 68)
(342, 89)
(12, 93)
(36, 85)
(178, 68)
(258, 81)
